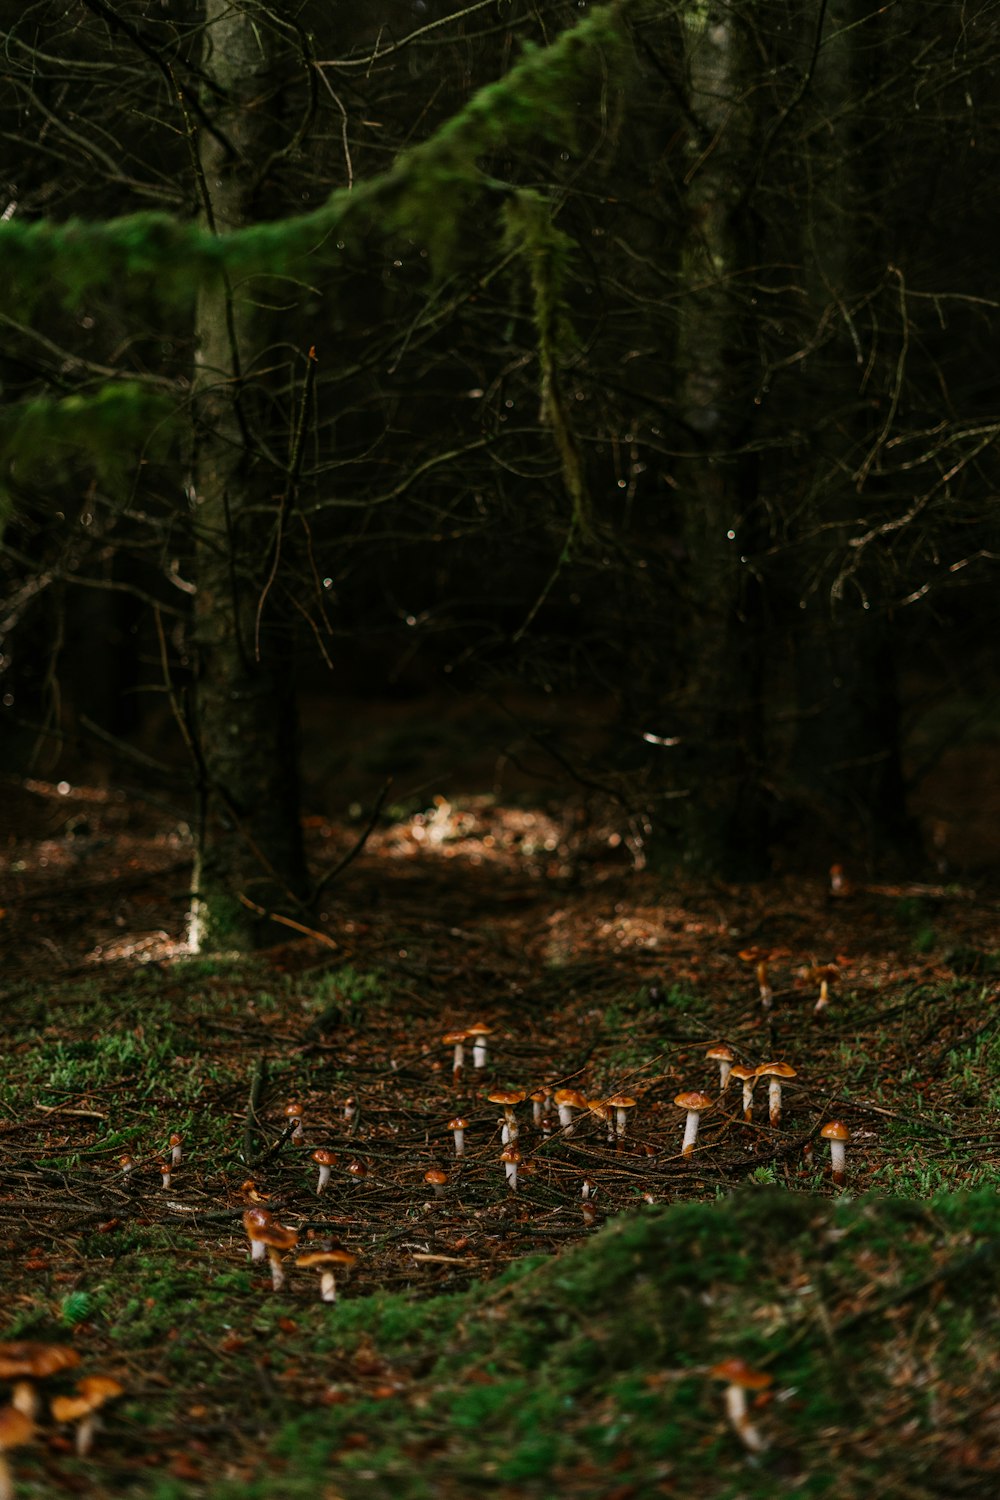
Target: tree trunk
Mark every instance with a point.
(725, 822)
(846, 760)
(249, 838)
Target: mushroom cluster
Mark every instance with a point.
(26, 1364)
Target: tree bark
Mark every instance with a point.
(725, 822)
(244, 721)
(846, 763)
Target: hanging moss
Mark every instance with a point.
(530, 232)
(426, 194)
(105, 430)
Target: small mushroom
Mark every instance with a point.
(621, 1104)
(748, 1077)
(277, 1238)
(324, 1159)
(357, 1170)
(254, 1220)
(566, 1101)
(458, 1127)
(740, 1378)
(838, 1134)
(350, 1110)
(16, 1429)
(293, 1114)
(93, 1391)
(508, 1098)
(539, 1098)
(694, 1102)
(511, 1158)
(24, 1363)
(176, 1144)
(456, 1039)
(774, 1072)
(164, 1169)
(436, 1179)
(479, 1033)
(326, 1262)
(725, 1057)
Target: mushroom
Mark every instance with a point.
(539, 1098)
(293, 1114)
(357, 1170)
(456, 1039)
(589, 1214)
(16, 1429)
(511, 1158)
(436, 1179)
(748, 1077)
(350, 1110)
(255, 1220)
(276, 1238)
(508, 1098)
(458, 1127)
(588, 1188)
(164, 1169)
(176, 1143)
(324, 1159)
(83, 1408)
(621, 1104)
(325, 1261)
(25, 1362)
(694, 1102)
(827, 975)
(774, 1072)
(837, 1133)
(479, 1033)
(566, 1100)
(724, 1056)
(760, 958)
(740, 1378)
(127, 1164)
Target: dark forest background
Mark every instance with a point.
(661, 430)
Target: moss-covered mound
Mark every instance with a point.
(589, 1374)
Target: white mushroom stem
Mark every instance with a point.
(510, 1167)
(690, 1132)
(258, 1250)
(838, 1162)
(621, 1120)
(536, 1112)
(748, 1084)
(459, 1135)
(25, 1399)
(165, 1174)
(277, 1269)
(350, 1109)
(324, 1178)
(175, 1156)
(774, 1100)
(85, 1430)
(725, 1068)
(566, 1117)
(479, 1052)
(327, 1287)
(824, 997)
(736, 1411)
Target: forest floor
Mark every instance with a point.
(489, 1341)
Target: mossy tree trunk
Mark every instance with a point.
(249, 839)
